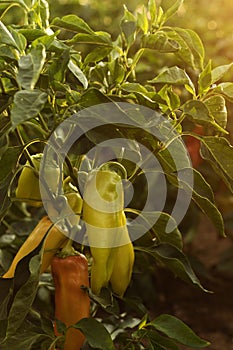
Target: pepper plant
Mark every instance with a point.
(52, 68)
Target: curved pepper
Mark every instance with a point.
(72, 302)
(28, 189)
(123, 263)
(105, 221)
(54, 240)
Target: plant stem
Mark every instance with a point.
(27, 154)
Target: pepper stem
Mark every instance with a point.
(68, 249)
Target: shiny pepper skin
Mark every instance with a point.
(103, 213)
(72, 303)
(123, 263)
(103, 191)
(28, 189)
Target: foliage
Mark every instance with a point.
(53, 68)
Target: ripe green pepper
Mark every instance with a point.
(72, 303)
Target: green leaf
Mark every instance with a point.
(5, 200)
(49, 42)
(159, 228)
(20, 40)
(175, 260)
(157, 340)
(173, 8)
(197, 110)
(156, 222)
(203, 197)
(178, 330)
(218, 72)
(8, 53)
(72, 23)
(226, 89)
(200, 114)
(12, 38)
(142, 20)
(32, 34)
(26, 105)
(211, 211)
(30, 67)
(205, 79)
(191, 47)
(217, 108)
(97, 38)
(96, 334)
(202, 187)
(129, 26)
(97, 54)
(24, 298)
(117, 72)
(220, 151)
(160, 42)
(6, 37)
(168, 95)
(44, 14)
(191, 50)
(134, 87)
(152, 10)
(8, 161)
(24, 340)
(78, 74)
(173, 75)
(92, 97)
(57, 70)
(174, 237)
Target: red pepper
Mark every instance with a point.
(193, 146)
(72, 302)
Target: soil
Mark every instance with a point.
(210, 315)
